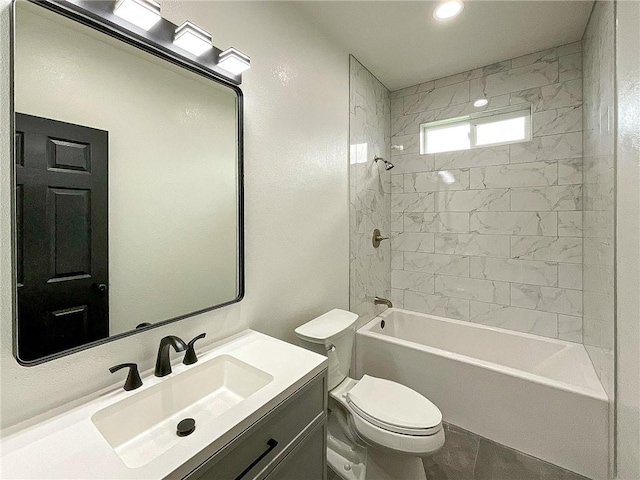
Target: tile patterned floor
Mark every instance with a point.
(467, 456)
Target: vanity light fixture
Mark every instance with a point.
(142, 13)
(448, 9)
(234, 61)
(192, 38)
(481, 102)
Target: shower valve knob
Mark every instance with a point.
(377, 238)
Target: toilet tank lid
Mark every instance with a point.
(326, 327)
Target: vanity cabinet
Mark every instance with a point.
(288, 443)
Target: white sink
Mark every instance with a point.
(142, 427)
(132, 435)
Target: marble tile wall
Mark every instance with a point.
(370, 192)
(501, 245)
(598, 193)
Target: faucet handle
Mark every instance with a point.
(190, 357)
(133, 379)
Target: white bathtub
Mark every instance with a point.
(538, 395)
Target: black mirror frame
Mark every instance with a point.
(158, 42)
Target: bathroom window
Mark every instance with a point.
(483, 129)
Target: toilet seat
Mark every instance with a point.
(407, 433)
(394, 407)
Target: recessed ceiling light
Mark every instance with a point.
(143, 13)
(448, 9)
(481, 102)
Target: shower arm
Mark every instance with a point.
(387, 164)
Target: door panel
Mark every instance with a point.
(66, 155)
(70, 229)
(19, 235)
(68, 324)
(62, 235)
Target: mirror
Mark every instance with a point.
(128, 193)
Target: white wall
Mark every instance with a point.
(172, 162)
(296, 212)
(628, 240)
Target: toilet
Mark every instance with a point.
(377, 429)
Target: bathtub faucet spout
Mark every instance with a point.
(382, 301)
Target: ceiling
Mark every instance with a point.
(402, 44)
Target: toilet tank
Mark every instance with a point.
(332, 335)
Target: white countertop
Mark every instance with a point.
(69, 446)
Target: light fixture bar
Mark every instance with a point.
(234, 61)
(142, 13)
(192, 38)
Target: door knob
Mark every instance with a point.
(101, 287)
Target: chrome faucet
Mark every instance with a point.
(163, 362)
(382, 301)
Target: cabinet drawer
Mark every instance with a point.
(247, 455)
(306, 460)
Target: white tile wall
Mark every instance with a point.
(514, 318)
(437, 305)
(472, 244)
(501, 245)
(515, 270)
(570, 224)
(598, 195)
(370, 195)
(547, 198)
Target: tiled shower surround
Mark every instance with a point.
(369, 118)
(501, 245)
(598, 192)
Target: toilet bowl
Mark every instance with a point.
(378, 429)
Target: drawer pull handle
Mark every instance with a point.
(272, 443)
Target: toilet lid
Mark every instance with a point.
(394, 407)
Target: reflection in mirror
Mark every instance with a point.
(127, 187)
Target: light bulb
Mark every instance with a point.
(234, 61)
(448, 9)
(192, 38)
(142, 13)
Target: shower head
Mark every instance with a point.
(387, 165)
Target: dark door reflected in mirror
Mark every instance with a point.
(63, 259)
(128, 187)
